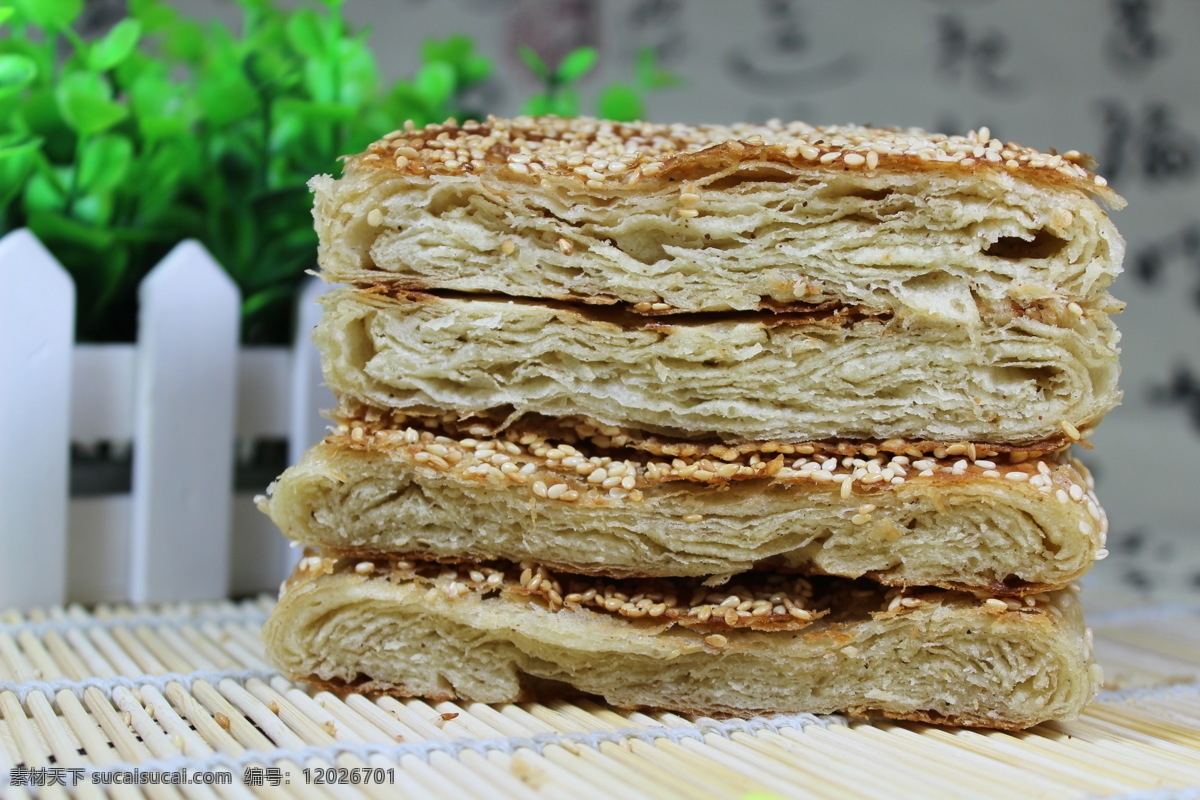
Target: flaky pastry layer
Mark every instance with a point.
(1008, 526)
(710, 218)
(490, 637)
(742, 379)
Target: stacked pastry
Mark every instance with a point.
(719, 419)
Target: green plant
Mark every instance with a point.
(113, 150)
(616, 101)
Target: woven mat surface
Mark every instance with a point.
(121, 701)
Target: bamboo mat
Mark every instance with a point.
(128, 692)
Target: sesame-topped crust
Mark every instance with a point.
(479, 632)
(1012, 525)
(583, 466)
(359, 420)
(598, 154)
(935, 230)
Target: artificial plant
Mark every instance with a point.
(165, 128)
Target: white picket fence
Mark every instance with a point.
(183, 394)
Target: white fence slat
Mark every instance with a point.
(263, 383)
(310, 395)
(102, 404)
(258, 561)
(37, 325)
(183, 445)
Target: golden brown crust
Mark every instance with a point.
(1012, 588)
(556, 458)
(956, 659)
(829, 312)
(358, 420)
(600, 156)
(755, 601)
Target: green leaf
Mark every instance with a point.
(620, 103)
(538, 105)
(259, 300)
(158, 108)
(6, 14)
(116, 45)
(165, 167)
(43, 193)
(576, 64)
(269, 71)
(185, 40)
(435, 83)
(476, 68)
(534, 62)
(453, 49)
(95, 209)
(51, 225)
(18, 154)
(105, 162)
(225, 96)
(151, 95)
(359, 73)
(53, 15)
(38, 113)
(565, 104)
(138, 64)
(14, 144)
(319, 81)
(85, 102)
(154, 15)
(306, 32)
(16, 72)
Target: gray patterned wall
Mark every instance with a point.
(1117, 78)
